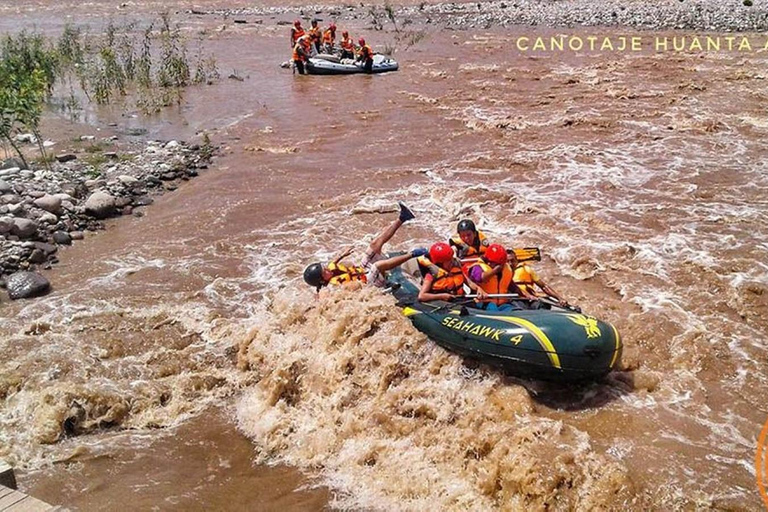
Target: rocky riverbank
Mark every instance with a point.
(700, 15)
(44, 209)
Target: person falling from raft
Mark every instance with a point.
(365, 56)
(374, 267)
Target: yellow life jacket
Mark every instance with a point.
(496, 284)
(346, 273)
(446, 281)
(525, 278)
(478, 249)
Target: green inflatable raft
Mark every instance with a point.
(550, 344)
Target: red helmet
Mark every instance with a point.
(332, 27)
(440, 253)
(297, 23)
(345, 34)
(361, 41)
(495, 254)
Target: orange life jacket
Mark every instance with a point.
(315, 34)
(478, 249)
(296, 33)
(348, 45)
(366, 52)
(495, 283)
(446, 281)
(329, 36)
(301, 49)
(525, 278)
(344, 274)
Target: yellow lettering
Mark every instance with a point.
(696, 44)
(516, 339)
(713, 44)
(592, 40)
(496, 334)
(521, 40)
(476, 330)
(765, 47)
(485, 331)
(556, 42)
(637, 43)
(678, 47)
(730, 40)
(467, 326)
(452, 321)
(579, 46)
(745, 45)
(622, 43)
(446, 320)
(659, 46)
(539, 44)
(607, 45)
(458, 325)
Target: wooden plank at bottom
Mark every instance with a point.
(29, 504)
(4, 491)
(11, 499)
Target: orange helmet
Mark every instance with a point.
(440, 253)
(496, 254)
(297, 23)
(361, 41)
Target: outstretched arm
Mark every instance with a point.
(344, 254)
(551, 292)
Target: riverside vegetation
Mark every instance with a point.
(146, 69)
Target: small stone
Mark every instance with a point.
(48, 218)
(66, 157)
(77, 235)
(62, 238)
(37, 256)
(6, 225)
(127, 180)
(172, 145)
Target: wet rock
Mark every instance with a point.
(45, 247)
(23, 228)
(62, 238)
(24, 285)
(37, 256)
(66, 157)
(49, 203)
(6, 225)
(10, 163)
(100, 205)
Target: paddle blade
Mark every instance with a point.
(527, 254)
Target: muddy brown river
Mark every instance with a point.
(181, 362)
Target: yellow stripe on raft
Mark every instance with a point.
(618, 345)
(409, 311)
(537, 333)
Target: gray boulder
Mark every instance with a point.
(23, 285)
(6, 225)
(23, 228)
(49, 203)
(100, 205)
(5, 187)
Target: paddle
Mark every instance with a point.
(522, 254)
(545, 300)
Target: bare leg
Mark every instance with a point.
(378, 242)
